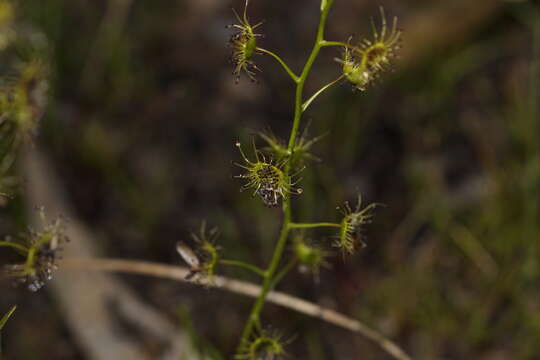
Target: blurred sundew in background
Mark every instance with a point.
(140, 125)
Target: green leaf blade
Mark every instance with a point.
(6, 317)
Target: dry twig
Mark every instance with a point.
(179, 273)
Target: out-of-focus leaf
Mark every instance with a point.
(6, 317)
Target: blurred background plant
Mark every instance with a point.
(141, 128)
(23, 88)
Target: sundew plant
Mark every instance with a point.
(273, 173)
(23, 94)
(23, 97)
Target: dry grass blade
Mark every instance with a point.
(179, 273)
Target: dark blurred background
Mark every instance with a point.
(140, 128)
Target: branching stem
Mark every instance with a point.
(336, 43)
(312, 225)
(269, 280)
(291, 73)
(20, 248)
(257, 270)
(284, 271)
(308, 102)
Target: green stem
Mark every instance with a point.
(244, 265)
(312, 225)
(20, 248)
(29, 266)
(284, 271)
(254, 316)
(336, 43)
(282, 63)
(308, 102)
(305, 72)
(30, 261)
